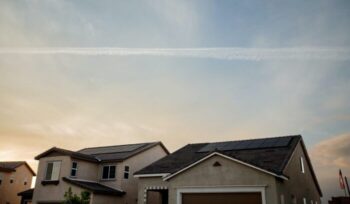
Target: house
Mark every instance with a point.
(105, 172)
(15, 176)
(259, 171)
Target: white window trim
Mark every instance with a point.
(223, 189)
(76, 170)
(109, 179)
(227, 157)
(47, 165)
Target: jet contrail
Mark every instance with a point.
(228, 53)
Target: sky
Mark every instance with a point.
(76, 74)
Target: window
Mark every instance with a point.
(294, 199)
(126, 172)
(282, 199)
(0, 178)
(108, 172)
(304, 201)
(53, 171)
(74, 170)
(11, 179)
(25, 181)
(302, 169)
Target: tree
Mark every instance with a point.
(70, 198)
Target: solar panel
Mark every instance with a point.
(247, 144)
(111, 149)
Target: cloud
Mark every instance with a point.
(232, 53)
(328, 157)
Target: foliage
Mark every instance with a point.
(70, 198)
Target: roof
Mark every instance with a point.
(270, 155)
(95, 187)
(104, 154)
(270, 158)
(10, 166)
(119, 152)
(27, 193)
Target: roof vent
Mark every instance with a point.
(216, 164)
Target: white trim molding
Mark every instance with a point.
(221, 189)
(224, 156)
(151, 175)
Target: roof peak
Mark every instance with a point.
(145, 143)
(249, 139)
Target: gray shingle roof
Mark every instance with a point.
(271, 158)
(10, 166)
(95, 187)
(104, 154)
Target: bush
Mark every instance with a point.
(70, 198)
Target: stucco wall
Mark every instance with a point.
(105, 199)
(135, 163)
(300, 184)
(9, 191)
(229, 174)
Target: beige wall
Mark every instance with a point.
(229, 174)
(92, 171)
(105, 199)
(135, 163)
(300, 184)
(9, 191)
(86, 170)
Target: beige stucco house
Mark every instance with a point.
(105, 172)
(260, 171)
(15, 177)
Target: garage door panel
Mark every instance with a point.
(221, 198)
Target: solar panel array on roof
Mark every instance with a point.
(247, 144)
(111, 149)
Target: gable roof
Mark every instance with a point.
(104, 154)
(10, 166)
(270, 155)
(272, 158)
(95, 187)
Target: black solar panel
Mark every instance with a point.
(247, 144)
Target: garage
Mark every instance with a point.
(221, 198)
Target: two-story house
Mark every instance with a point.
(15, 176)
(259, 171)
(105, 172)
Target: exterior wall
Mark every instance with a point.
(86, 170)
(300, 184)
(8, 191)
(135, 163)
(93, 172)
(229, 175)
(104, 199)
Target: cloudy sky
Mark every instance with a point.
(75, 74)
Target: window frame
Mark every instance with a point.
(47, 166)
(109, 172)
(126, 171)
(74, 169)
(302, 166)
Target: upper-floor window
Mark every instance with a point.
(302, 168)
(12, 178)
(126, 172)
(74, 169)
(108, 172)
(53, 170)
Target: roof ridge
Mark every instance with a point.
(144, 143)
(251, 139)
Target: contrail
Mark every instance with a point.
(229, 53)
